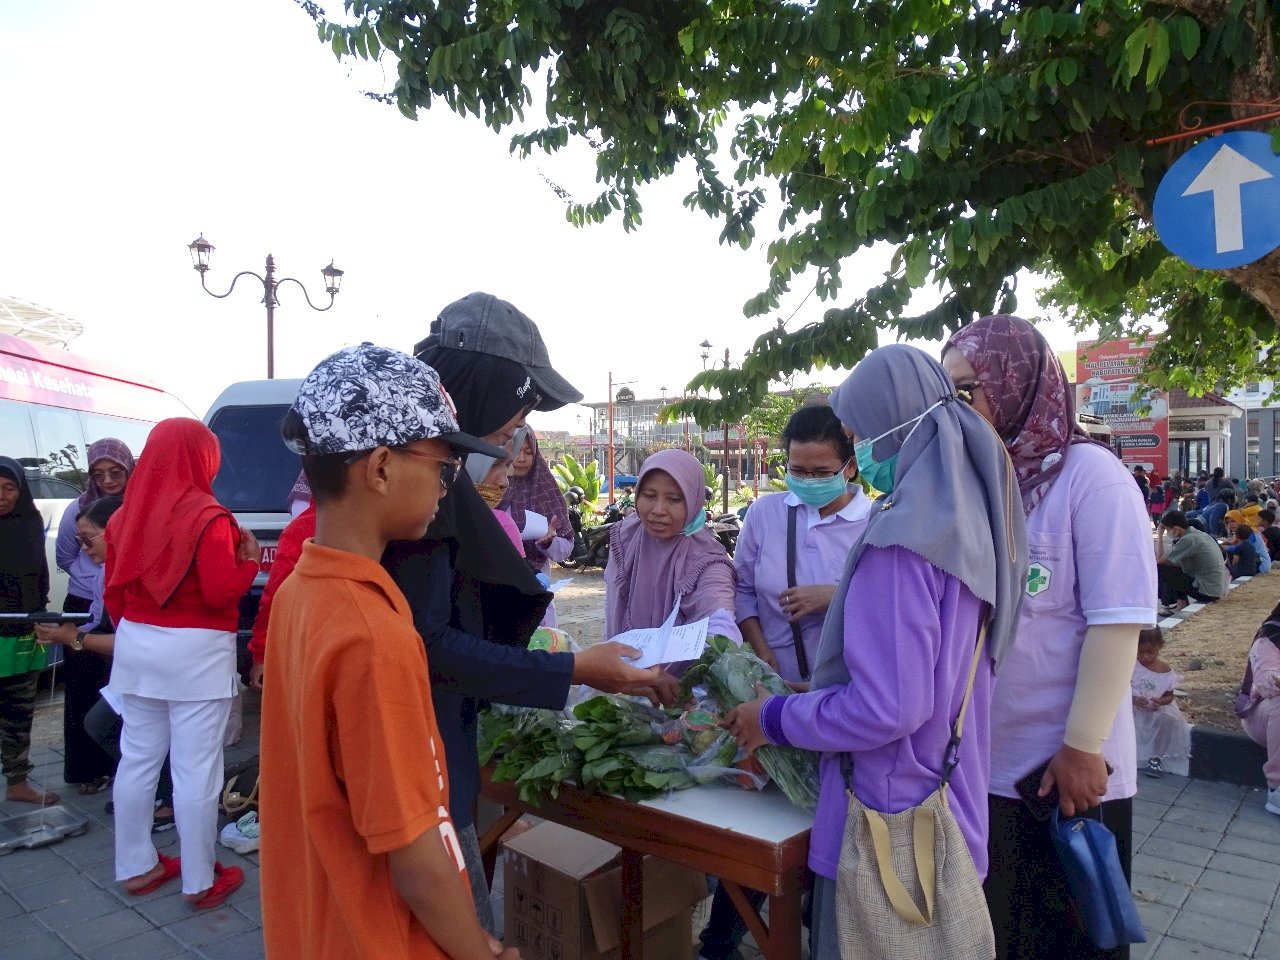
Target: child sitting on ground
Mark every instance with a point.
(1162, 733)
(1243, 554)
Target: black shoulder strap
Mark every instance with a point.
(802, 658)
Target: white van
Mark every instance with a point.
(53, 404)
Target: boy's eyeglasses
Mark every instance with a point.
(88, 542)
(449, 466)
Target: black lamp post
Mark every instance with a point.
(202, 251)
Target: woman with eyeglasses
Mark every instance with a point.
(85, 672)
(1061, 723)
(177, 566)
(789, 558)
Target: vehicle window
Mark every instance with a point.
(258, 470)
(16, 439)
(46, 488)
(59, 444)
(134, 433)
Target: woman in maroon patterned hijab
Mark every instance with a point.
(1025, 389)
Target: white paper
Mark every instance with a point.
(668, 643)
(555, 587)
(535, 526)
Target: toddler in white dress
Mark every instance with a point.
(1163, 736)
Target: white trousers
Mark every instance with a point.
(190, 732)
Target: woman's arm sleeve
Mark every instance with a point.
(745, 557)
(223, 579)
(892, 644)
(67, 547)
(1102, 683)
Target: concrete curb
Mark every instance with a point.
(1226, 756)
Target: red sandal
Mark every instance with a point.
(226, 881)
(172, 869)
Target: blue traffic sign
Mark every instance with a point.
(1219, 205)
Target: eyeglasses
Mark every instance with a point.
(449, 466)
(114, 475)
(815, 474)
(965, 391)
(88, 542)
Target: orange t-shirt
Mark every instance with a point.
(352, 765)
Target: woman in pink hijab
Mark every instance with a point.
(663, 556)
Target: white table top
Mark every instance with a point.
(763, 814)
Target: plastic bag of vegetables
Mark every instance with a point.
(730, 673)
(532, 748)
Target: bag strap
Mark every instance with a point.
(802, 657)
(952, 756)
(922, 839)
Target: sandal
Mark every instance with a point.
(93, 786)
(172, 869)
(226, 881)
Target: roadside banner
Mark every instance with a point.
(1107, 386)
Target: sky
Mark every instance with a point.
(128, 129)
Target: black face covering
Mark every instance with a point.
(24, 572)
(491, 579)
(488, 391)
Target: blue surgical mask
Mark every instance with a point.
(697, 523)
(817, 492)
(881, 474)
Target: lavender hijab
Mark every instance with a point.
(955, 497)
(645, 574)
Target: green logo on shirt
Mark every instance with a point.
(1038, 578)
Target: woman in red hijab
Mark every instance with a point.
(177, 565)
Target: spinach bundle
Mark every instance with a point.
(623, 752)
(534, 749)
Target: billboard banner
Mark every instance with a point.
(1107, 386)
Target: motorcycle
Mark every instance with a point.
(726, 528)
(590, 544)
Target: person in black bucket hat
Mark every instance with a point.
(474, 600)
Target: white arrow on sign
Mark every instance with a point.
(1223, 176)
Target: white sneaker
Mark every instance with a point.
(241, 836)
(1273, 801)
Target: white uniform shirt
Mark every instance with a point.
(1092, 562)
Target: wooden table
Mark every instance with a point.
(746, 838)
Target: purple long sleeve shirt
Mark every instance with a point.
(910, 630)
(81, 571)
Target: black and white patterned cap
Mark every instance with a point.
(368, 396)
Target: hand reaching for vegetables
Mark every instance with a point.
(604, 668)
(744, 722)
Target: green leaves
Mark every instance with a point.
(977, 140)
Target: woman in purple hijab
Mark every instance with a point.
(86, 764)
(663, 555)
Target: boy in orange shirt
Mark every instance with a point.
(361, 859)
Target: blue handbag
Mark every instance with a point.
(1091, 861)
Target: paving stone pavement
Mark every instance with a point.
(1206, 873)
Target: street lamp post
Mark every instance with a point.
(725, 462)
(202, 251)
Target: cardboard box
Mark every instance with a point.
(563, 898)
